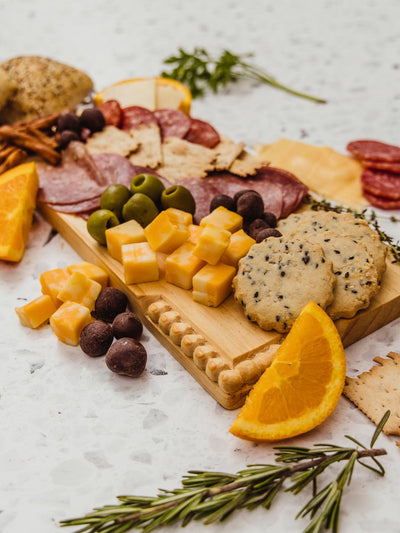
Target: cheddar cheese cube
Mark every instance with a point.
(80, 289)
(91, 271)
(52, 281)
(221, 217)
(182, 265)
(212, 284)
(140, 263)
(194, 233)
(69, 320)
(164, 235)
(126, 233)
(36, 312)
(238, 247)
(177, 216)
(211, 244)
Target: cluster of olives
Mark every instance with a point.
(257, 223)
(146, 197)
(71, 127)
(126, 356)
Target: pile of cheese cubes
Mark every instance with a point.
(202, 257)
(67, 300)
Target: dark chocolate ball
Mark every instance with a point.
(110, 303)
(244, 191)
(96, 338)
(68, 121)
(270, 219)
(66, 137)
(222, 200)
(93, 119)
(255, 226)
(250, 206)
(127, 325)
(127, 357)
(266, 233)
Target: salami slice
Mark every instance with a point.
(374, 150)
(135, 116)
(381, 183)
(78, 208)
(203, 133)
(172, 122)
(112, 113)
(382, 165)
(380, 202)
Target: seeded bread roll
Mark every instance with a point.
(7, 88)
(43, 86)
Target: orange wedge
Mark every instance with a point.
(301, 387)
(181, 90)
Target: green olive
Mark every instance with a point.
(114, 197)
(179, 197)
(149, 185)
(98, 222)
(140, 208)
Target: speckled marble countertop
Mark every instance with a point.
(74, 435)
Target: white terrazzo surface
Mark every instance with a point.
(74, 435)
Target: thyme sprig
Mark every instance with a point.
(213, 496)
(368, 215)
(198, 70)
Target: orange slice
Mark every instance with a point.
(301, 387)
(178, 87)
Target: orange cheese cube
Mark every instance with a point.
(177, 216)
(182, 265)
(91, 271)
(238, 247)
(68, 322)
(52, 281)
(211, 244)
(126, 233)
(212, 284)
(194, 233)
(140, 263)
(221, 217)
(36, 312)
(164, 235)
(80, 289)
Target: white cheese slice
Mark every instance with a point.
(141, 93)
(167, 97)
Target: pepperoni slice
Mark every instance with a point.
(374, 150)
(380, 202)
(172, 122)
(203, 133)
(382, 165)
(381, 183)
(112, 113)
(135, 116)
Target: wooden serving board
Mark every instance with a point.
(222, 350)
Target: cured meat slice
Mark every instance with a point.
(112, 113)
(203, 133)
(381, 183)
(83, 207)
(382, 165)
(375, 150)
(172, 122)
(380, 202)
(116, 168)
(135, 116)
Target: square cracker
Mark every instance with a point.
(183, 159)
(111, 140)
(148, 139)
(225, 153)
(246, 164)
(376, 391)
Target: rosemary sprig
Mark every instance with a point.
(213, 496)
(368, 215)
(199, 70)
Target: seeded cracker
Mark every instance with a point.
(183, 159)
(149, 140)
(226, 152)
(376, 391)
(246, 165)
(111, 140)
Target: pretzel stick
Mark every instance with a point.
(45, 139)
(40, 123)
(16, 157)
(30, 143)
(6, 151)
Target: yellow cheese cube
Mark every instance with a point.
(52, 281)
(126, 233)
(177, 216)
(212, 284)
(194, 233)
(211, 244)
(164, 235)
(238, 247)
(36, 312)
(80, 289)
(91, 271)
(221, 217)
(69, 320)
(182, 265)
(140, 263)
